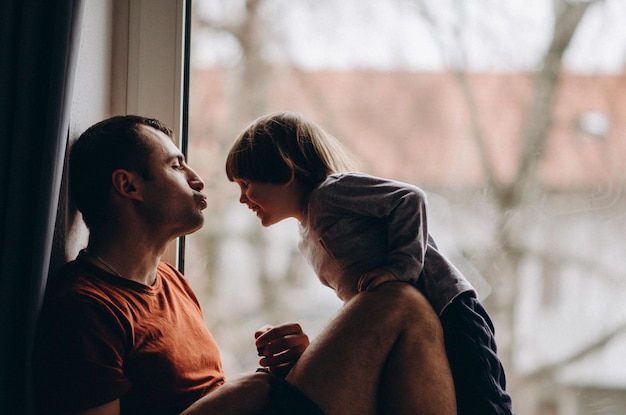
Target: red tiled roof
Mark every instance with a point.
(415, 126)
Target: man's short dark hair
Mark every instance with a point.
(115, 143)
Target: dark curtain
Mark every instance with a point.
(38, 49)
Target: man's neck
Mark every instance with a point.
(130, 262)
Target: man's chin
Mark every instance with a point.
(196, 226)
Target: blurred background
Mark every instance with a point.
(510, 114)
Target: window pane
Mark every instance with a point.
(517, 139)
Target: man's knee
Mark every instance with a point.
(403, 304)
(403, 297)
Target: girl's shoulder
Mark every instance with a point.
(356, 178)
(360, 185)
(352, 177)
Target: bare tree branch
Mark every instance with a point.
(549, 369)
(477, 131)
(459, 70)
(538, 124)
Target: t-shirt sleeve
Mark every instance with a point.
(79, 356)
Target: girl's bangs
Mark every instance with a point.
(238, 165)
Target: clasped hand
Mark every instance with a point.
(280, 347)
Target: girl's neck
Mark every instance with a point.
(304, 204)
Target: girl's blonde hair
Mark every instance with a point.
(282, 145)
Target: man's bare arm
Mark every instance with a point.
(111, 408)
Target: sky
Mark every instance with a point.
(507, 35)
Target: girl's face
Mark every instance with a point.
(272, 202)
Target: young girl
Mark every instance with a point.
(359, 231)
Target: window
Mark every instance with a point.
(451, 99)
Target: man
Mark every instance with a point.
(122, 333)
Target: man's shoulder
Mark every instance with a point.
(79, 281)
(170, 275)
(66, 279)
(167, 268)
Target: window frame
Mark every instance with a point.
(150, 70)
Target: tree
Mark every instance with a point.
(516, 196)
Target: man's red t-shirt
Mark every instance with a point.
(102, 337)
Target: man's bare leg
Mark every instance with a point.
(383, 353)
(242, 396)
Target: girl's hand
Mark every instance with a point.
(373, 279)
(280, 347)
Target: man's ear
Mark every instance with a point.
(125, 183)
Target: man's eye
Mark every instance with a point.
(178, 166)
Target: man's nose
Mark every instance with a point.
(196, 182)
